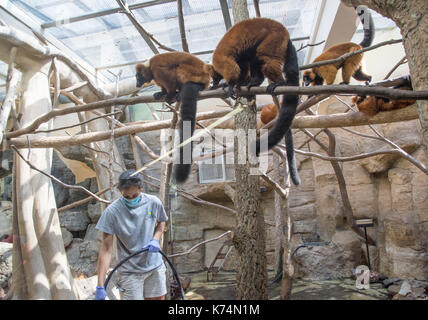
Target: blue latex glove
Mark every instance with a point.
(100, 294)
(153, 246)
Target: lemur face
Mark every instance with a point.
(217, 77)
(140, 79)
(143, 74)
(308, 77)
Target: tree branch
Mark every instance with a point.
(181, 26)
(199, 244)
(350, 54)
(332, 89)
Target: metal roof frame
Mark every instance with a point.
(135, 6)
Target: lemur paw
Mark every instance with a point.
(343, 82)
(271, 87)
(231, 93)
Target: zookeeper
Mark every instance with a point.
(138, 221)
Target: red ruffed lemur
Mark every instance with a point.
(181, 75)
(252, 50)
(269, 112)
(371, 105)
(351, 67)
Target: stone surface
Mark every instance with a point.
(5, 264)
(332, 261)
(83, 256)
(94, 211)
(86, 288)
(393, 289)
(67, 237)
(5, 218)
(405, 289)
(61, 171)
(93, 234)
(74, 220)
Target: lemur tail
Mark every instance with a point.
(287, 113)
(189, 95)
(368, 26)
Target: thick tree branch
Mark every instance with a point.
(323, 121)
(333, 89)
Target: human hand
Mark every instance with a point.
(153, 246)
(100, 293)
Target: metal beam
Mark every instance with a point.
(125, 9)
(102, 13)
(15, 14)
(226, 15)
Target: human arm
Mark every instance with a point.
(104, 257)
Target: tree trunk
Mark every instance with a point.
(278, 221)
(46, 271)
(249, 236)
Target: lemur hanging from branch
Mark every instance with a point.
(351, 67)
(181, 76)
(371, 105)
(252, 50)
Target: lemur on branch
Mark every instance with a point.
(371, 105)
(252, 50)
(181, 75)
(351, 67)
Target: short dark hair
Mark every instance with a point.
(127, 180)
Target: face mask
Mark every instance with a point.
(131, 203)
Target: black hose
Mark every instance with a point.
(137, 253)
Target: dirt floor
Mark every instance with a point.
(223, 288)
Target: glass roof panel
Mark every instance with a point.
(112, 39)
(48, 10)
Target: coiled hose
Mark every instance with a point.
(139, 252)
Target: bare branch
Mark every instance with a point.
(181, 26)
(278, 189)
(345, 159)
(199, 244)
(350, 54)
(310, 45)
(78, 124)
(399, 63)
(257, 8)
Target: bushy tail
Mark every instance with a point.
(368, 26)
(291, 158)
(287, 112)
(189, 95)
